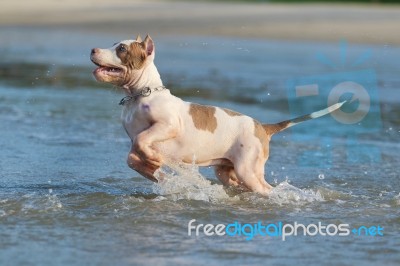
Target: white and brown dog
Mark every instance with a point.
(163, 127)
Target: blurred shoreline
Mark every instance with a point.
(359, 23)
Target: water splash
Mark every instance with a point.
(44, 203)
(284, 193)
(185, 182)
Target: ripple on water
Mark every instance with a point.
(48, 202)
(181, 185)
(396, 200)
(12, 113)
(30, 204)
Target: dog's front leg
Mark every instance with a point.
(145, 169)
(158, 132)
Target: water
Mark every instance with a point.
(68, 197)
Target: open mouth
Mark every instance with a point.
(107, 70)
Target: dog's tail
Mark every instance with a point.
(275, 128)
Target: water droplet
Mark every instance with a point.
(321, 176)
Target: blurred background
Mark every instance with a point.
(67, 195)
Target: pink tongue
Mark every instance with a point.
(99, 69)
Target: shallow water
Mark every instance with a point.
(67, 196)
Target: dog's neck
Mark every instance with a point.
(148, 76)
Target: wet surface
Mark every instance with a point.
(68, 197)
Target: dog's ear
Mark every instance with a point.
(148, 45)
(138, 38)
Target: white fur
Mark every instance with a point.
(162, 129)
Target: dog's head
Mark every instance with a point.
(120, 63)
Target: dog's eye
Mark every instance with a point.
(121, 48)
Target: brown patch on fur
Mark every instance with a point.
(275, 128)
(203, 117)
(231, 113)
(263, 136)
(133, 56)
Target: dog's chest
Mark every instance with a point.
(134, 119)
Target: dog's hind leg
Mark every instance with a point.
(226, 174)
(249, 170)
(253, 179)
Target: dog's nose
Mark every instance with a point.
(95, 50)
